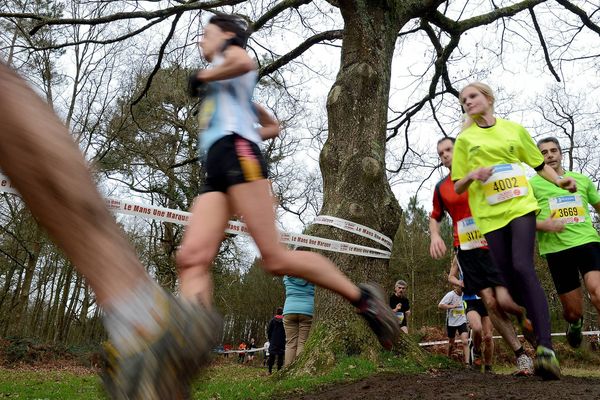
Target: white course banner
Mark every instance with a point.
(239, 228)
(353, 227)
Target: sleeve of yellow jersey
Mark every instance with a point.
(530, 154)
(459, 160)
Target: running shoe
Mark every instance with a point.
(546, 364)
(378, 315)
(476, 361)
(524, 366)
(527, 330)
(165, 367)
(487, 369)
(574, 334)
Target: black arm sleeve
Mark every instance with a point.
(540, 167)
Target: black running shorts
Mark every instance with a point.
(479, 271)
(566, 266)
(232, 160)
(477, 306)
(453, 329)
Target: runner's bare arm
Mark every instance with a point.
(479, 174)
(269, 126)
(453, 274)
(565, 182)
(437, 247)
(550, 224)
(236, 62)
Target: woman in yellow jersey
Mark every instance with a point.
(488, 162)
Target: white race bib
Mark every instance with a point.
(458, 312)
(507, 181)
(400, 316)
(469, 235)
(568, 209)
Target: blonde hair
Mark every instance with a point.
(483, 89)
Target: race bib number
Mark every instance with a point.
(400, 316)
(568, 209)
(508, 181)
(458, 311)
(207, 109)
(469, 235)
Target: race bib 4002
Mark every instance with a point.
(508, 181)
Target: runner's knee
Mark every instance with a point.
(193, 256)
(487, 337)
(275, 262)
(476, 327)
(595, 297)
(490, 303)
(572, 314)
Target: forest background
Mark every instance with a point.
(363, 90)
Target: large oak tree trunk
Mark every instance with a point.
(353, 167)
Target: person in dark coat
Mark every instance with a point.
(276, 335)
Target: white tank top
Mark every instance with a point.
(227, 109)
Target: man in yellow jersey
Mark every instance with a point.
(567, 238)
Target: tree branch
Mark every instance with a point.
(107, 41)
(543, 43)
(581, 14)
(278, 9)
(167, 12)
(161, 54)
(301, 48)
(458, 27)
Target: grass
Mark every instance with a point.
(230, 381)
(243, 382)
(46, 385)
(223, 381)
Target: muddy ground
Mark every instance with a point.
(461, 384)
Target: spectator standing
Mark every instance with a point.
(276, 335)
(400, 305)
(242, 352)
(297, 315)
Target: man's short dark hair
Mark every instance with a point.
(453, 140)
(234, 24)
(549, 139)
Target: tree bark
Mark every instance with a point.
(355, 186)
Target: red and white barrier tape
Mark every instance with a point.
(239, 228)
(353, 227)
(254, 350)
(439, 342)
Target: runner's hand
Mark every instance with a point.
(552, 225)
(567, 183)
(437, 248)
(481, 174)
(196, 86)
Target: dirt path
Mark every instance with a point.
(460, 385)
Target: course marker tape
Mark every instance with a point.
(239, 228)
(353, 227)
(439, 342)
(239, 351)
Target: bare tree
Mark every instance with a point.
(464, 41)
